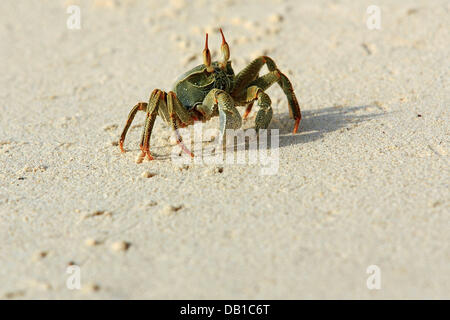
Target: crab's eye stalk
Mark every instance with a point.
(207, 57)
(225, 51)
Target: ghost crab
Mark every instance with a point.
(212, 89)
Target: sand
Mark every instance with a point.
(365, 181)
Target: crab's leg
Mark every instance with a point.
(229, 116)
(178, 112)
(267, 80)
(247, 110)
(175, 105)
(265, 113)
(249, 76)
(156, 98)
(140, 106)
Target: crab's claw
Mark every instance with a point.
(207, 56)
(225, 51)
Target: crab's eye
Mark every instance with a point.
(207, 56)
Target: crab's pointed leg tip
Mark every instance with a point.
(149, 156)
(297, 123)
(223, 37)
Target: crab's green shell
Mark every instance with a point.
(193, 86)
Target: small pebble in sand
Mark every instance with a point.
(152, 203)
(147, 174)
(14, 294)
(183, 167)
(139, 158)
(91, 242)
(110, 127)
(97, 213)
(40, 255)
(136, 126)
(39, 168)
(218, 169)
(169, 209)
(92, 287)
(368, 47)
(120, 246)
(275, 18)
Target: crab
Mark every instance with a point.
(212, 89)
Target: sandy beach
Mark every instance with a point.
(365, 181)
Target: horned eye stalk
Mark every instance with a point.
(224, 48)
(207, 56)
(225, 51)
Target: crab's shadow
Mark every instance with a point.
(316, 124)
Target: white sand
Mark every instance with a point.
(364, 183)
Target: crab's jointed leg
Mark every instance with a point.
(176, 108)
(178, 112)
(265, 113)
(219, 101)
(249, 76)
(156, 98)
(247, 110)
(140, 106)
